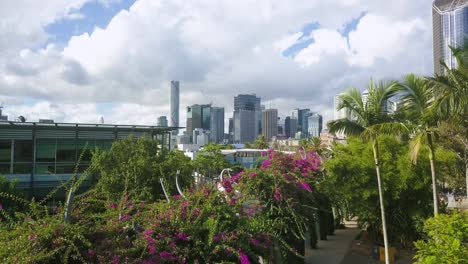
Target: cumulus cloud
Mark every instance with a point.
(217, 49)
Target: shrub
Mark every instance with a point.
(446, 241)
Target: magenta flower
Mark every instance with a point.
(182, 236)
(304, 185)
(252, 174)
(152, 250)
(113, 205)
(232, 201)
(266, 163)
(124, 217)
(277, 194)
(115, 259)
(243, 258)
(176, 197)
(31, 237)
(166, 255)
(227, 185)
(255, 242)
(90, 252)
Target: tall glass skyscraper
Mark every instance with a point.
(450, 28)
(247, 117)
(175, 91)
(198, 116)
(270, 123)
(217, 124)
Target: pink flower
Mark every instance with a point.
(182, 236)
(255, 242)
(277, 194)
(252, 174)
(176, 197)
(115, 259)
(304, 185)
(90, 252)
(113, 205)
(232, 201)
(243, 258)
(31, 237)
(266, 164)
(124, 217)
(227, 185)
(152, 250)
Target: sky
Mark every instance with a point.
(77, 60)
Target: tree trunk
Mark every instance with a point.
(375, 147)
(433, 174)
(466, 170)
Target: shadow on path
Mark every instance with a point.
(333, 250)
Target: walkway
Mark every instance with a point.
(333, 250)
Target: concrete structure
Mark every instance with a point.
(217, 124)
(42, 155)
(270, 123)
(315, 121)
(247, 117)
(182, 139)
(198, 116)
(175, 94)
(162, 121)
(302, 120)
(450, 28)
(290, 126)
(2, 117)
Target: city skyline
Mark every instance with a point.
(70, 64)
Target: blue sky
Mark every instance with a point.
(95, 14)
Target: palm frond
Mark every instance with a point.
(346, 126)
(416, 144)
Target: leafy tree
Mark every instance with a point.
(135, 166)
(418, 108)
(446, 241)
(370, 119)
(210, 161)
(260, 142)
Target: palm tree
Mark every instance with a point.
(451, 91)
(368, 118)
(419, 111)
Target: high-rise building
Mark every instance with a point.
(290, 126)
(302, 116)
(247, 118)
(338, 114)
(217, 124)
(450, 28)
(198, 116)
(270, 123)
(162, 121)
(315, 121)
(175, 93)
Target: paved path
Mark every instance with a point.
(333, 250)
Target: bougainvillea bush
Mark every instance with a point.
(256, 214)
(281, 188)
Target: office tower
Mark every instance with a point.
(217, 124)
(315, 121)
(231, 126)
(198, 116)
(270, 123)
(247, 118)
(450, 28)
(162, 121)
(302, 120)
(175, 93)
(290, 126)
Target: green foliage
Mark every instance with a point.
(351, 176)
(209, 161)
(260, 142)
(135, 166)
(446, 240)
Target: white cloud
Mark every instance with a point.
(286, 42)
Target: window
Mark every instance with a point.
(85, 148)
(23, 151)
(66, 150)
(45, 150)
(5, 151)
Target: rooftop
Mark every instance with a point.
(444, 6)
(83, 126)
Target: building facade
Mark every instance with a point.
(450, 28)
(315, 125)
(198, 116)
(217, 124)
(247, 118)
(162, 121)
(40, 156)
(270, 123)
(290, 126)
(175, 94)
(302, 120)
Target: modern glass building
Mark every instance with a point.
(315, 123)
(40, 156)
(198, 116)
(270, 123)
(247, 117)
(175, 94)
(290, 126)
(217, 124)
(450, 28)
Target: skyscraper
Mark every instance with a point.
(302, 120)
(290, 126)
(217, 124)
(315, 121)
(198, 116)
(450, 28)
(247, 117)
(270, 123)
(162, 121)
(175, 93)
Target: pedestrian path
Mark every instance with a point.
(334, 249)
